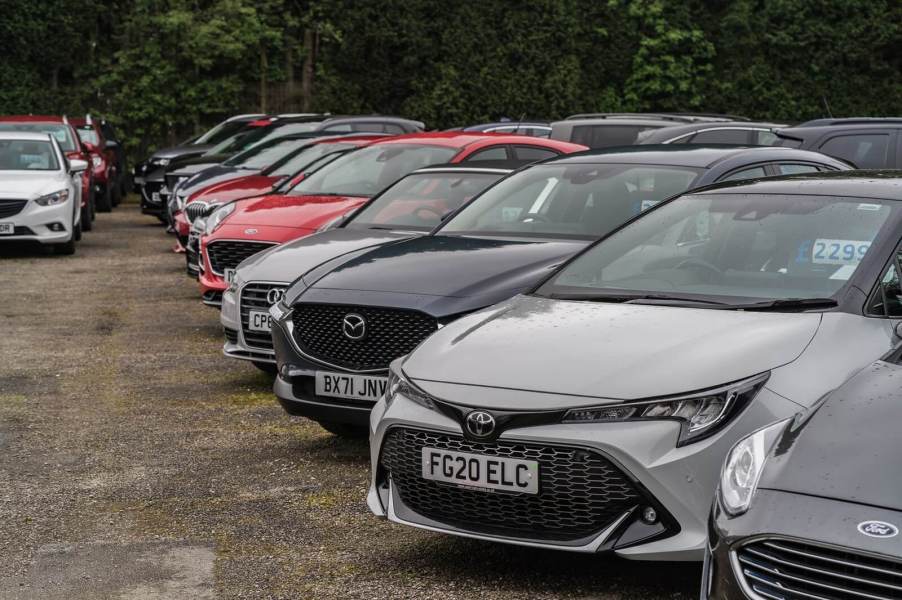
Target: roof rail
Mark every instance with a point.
(665, 116)
(247, 116)
(850, 121)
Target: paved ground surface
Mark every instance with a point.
(137, 462)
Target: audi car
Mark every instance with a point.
(499, 245)
(810, 506)
(410, 207)
(594, 412)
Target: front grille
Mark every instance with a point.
(254, 297)
(231, 335)
(790, 570)
(229, 254)
(9, 208)
(580, 491)
(390, 333)
(148, 190)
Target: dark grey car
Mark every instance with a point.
(868, 143)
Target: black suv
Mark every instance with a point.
(868, 143)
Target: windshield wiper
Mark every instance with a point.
(632, 298)
(788, 304)
(665, 298)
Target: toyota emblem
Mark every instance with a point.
(480, 423)
(353, 326)
(274, 295)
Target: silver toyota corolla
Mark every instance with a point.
(594, 413)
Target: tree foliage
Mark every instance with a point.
(164, 69)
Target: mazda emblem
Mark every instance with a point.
(274, 295)
(353, 326)
(480, 423)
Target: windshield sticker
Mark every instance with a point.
(864, 206)
(843, 273)
(838, 252)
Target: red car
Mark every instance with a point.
(103, 163)
(243, 228)
(70, 143)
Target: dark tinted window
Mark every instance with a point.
(534, 153)
(722, 136)
(493, 153)
(343, 128)
(744, 174)
(866, 151)
(792, 169)
(393, 129)
(607, 136)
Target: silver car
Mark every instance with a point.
(594, 413)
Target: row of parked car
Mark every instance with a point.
(56, 174)
(582, 340)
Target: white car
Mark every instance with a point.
(40, 191)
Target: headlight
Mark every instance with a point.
(743, 467)
(54, 198)
(699, 414)
(97, 161)
(219, 215)
(198, 226)
(399, 385)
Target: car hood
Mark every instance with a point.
(30, 185)
(577, 353)
(289, 261)
(450, 267)
(236, 188)
(292, 211)
(849, 447)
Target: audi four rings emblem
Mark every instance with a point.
(480, 423)
(354, 326)
(274, 295)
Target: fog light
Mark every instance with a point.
(649, 515)
(56, 227)
(285, 371)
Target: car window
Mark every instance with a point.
(393, 129)
(264, 154)
(420, 201)
(60, 131)
(298, 160)
(343, 128)
(607, 136)
(886, 301)
(766, 138)
(87, 134)
(744, 174)
(792, 169)
(492, 153)
(221, 132)
(722, 136)
(534, 153)
(866, 151)
(734, 246)
(27, 155)
(570, 200)
(371, 169)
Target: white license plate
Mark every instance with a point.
(353, 387)
(259, 320)
(155, 197)
(7, 228)
(480, 471)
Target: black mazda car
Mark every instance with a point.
(811, 508)
(501, 244)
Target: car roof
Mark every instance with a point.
(24, 135)
(682, 117)
(686, 155)
(32, 119)
(650, 120)
(675, 131)
(820, 126)
(479, 166)
(496, 124)
(454, 139)
(883, 185)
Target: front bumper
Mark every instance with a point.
(153, 201)
(33, 223)
(679, 480)
(786, 518)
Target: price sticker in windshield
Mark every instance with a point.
(838, 252)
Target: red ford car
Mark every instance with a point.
(243, 228)
(70, 143)
(103, 163)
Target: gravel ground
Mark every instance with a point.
(137, 462)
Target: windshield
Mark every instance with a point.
(583, 200)
(264, 154)
(261, 134)
(727, 246)
(421, 201)
(369, 170)
(88, 135)
(60, 131)
(27, 155)
(221, 132)
(301, 158)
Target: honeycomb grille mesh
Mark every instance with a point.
(228, 254)
(580, 492)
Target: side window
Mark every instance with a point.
(887, 298)
(722, 136)
(346, 128)
(534, 153)
(766, 138)
(792, 169)
(744, 174)
(393, 129)
(866, 151)
(607, 136)
(491, 153)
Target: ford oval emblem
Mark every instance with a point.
(250, 231)
(878, 529)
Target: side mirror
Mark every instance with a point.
(77, 166)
